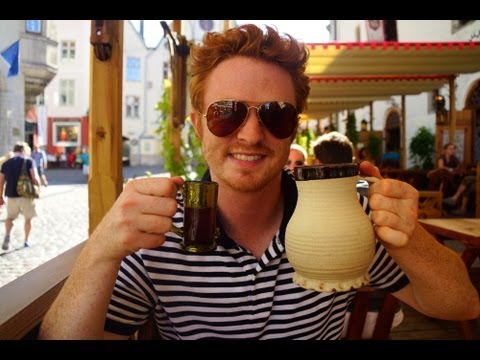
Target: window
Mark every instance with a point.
(67, 50)
(66, 133)
(133, 106)
(67, 92)
(133, 69)
(34, 26)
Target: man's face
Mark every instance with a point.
(251, 157)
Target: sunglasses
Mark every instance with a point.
(224, 117)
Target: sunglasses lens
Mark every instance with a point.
(225, 116)
(279, 118)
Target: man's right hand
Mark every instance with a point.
(139, 218)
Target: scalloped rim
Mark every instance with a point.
(321, 285)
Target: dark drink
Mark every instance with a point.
(199, 229)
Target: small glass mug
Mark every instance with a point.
(200, 231)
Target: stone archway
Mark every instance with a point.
(392, 130)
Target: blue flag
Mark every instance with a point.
(11, 57)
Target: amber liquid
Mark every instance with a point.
(199, 229)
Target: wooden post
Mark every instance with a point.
(453, 111)
(477, 201)
(176, 101)
(105, 181)
(371, 115)
(403, 150)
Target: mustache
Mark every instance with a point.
(251, 149)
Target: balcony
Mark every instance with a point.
(38, 63)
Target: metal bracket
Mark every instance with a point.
(101, 39)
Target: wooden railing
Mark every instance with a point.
(25, 301)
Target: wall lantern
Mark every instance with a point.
(440, 111)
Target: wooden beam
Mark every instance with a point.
(25, 301)
(105, 182)
(403, 146)
(477, 201)
(176, 113)
(453, 111)
(371, 115)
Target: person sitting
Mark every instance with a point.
(465, 191)
(332, 148)
(297, 157)
(391, 159)
(448, 160)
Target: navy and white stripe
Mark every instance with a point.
(229, 294)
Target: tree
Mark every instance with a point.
(191, 163)
(352, 132)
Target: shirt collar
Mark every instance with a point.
(290, 196)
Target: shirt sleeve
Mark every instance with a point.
(133, 297)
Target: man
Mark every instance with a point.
(41, 163)
(333, 148)
(297, 156)
(247, 88)
(9, 174)
(336, 148)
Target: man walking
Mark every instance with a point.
(9, 174)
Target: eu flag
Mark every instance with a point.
(11, 57)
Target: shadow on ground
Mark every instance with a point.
(64, 176)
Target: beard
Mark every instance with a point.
(245, 179)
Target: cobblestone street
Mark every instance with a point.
(62, 222)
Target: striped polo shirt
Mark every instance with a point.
(228, 293)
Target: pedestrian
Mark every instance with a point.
(85, 163)
(9, 174)
(247, 88)
(40, 158)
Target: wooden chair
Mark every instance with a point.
(430, 204)
(384, 314)
(442, 180)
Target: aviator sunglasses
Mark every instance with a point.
(224, 117)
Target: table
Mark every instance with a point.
(465, 230)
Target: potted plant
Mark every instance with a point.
(422, 148)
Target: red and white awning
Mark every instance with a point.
(351, 75)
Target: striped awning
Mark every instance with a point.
(347, 76)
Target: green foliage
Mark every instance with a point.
(374, 145)
(305, 139)
(352, 132)
(422, 148)
(192, 150)
(191, 163)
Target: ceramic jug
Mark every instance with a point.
(329, 240)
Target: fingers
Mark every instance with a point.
(368, 169)
(154, 186)
(139, 218)
(393, 207)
